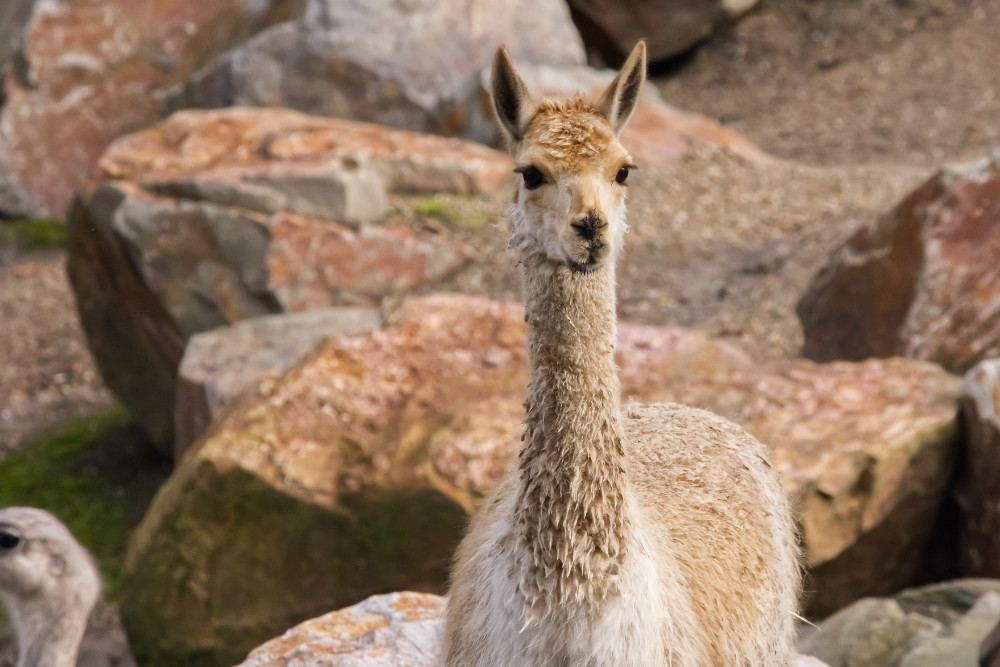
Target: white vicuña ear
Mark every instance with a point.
(619, 100)
(511, 103)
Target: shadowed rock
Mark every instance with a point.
(921, 282)
(977, 491)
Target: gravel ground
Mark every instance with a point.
(867, 81)
(46, 372)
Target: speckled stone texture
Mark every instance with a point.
(213, 217)
(382, 631)
(85, 73)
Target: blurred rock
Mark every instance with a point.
(363, 460)
(670, 27)
(213, 217)
(384, 630)
(657, 134)
(942, 624)
(989, 650)
(220, 363)
(86, 72)
(14, 14)
(412, 65)
(922, 282)
(977, 488)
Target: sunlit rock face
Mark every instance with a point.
(83, 73)
(212, 217)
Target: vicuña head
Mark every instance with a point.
(48, 583)
(571, 205)
(644, 536)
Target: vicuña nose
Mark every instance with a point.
(587, 227)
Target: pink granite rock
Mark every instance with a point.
(220, 363)
(382, 631)
(213, 217)
(921, 282)
(88, 72)
(412, 65)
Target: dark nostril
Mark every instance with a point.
(588, 226)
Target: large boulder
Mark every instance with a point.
(391, 629)
(942, 624)
(84, 73)
(670, 27)
(353, 473)
(977, 489)
(220, 363)
(413, 65)
(921, 282)
(213, 217)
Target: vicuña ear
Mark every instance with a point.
(511, 103)
(619, 100)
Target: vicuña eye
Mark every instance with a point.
(622, 174)
(8, 541)
(532, 177)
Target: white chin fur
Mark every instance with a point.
(530, 237)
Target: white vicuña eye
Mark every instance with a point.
(533, 178)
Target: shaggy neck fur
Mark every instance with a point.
(571, 517)
(49, 635)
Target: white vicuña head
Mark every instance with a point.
(49, 584)
(571, 202)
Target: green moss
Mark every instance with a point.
(58, 472)
(265, 561)
(458, 211)
(32, 233)
(430, 207)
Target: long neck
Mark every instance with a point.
(47, 637)
(571, 516)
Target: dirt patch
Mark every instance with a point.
(868, 81)
(46, 372)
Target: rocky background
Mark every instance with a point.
(267, 230)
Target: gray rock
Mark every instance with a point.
(670, 27)
(942, 624)
(411, 64)
(977, 491)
